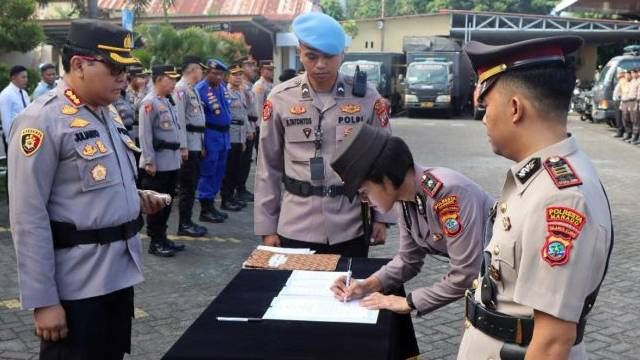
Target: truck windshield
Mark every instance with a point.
(372, 70)
(427, 74)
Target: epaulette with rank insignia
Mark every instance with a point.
(430, 184)
(561, 172)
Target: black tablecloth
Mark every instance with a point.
(249, 295)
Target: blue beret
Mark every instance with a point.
(216, 64)
(320, 31)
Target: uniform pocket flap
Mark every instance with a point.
(300, 134)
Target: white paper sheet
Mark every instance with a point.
(306, 297)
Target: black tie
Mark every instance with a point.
(24, 103)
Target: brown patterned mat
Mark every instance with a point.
(259, 259)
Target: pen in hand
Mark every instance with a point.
(348, 280)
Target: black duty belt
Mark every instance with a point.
(129, 127)
(507, 328)
(65, 235)
(165, 145)
(237, 122)
(217, 127)
(195, 128)
(253, 118)
(305, 189)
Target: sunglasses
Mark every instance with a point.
(116, 70)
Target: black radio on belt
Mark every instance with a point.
(359, 83)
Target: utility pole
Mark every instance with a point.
(381, 22)
(92, 6)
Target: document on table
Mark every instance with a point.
(306, 297)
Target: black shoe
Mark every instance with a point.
(200, 228)
(230, 206)
(210, 217)
(627, 136)
(634, 140)
(175, 246)
(245, 196)
(239, 202)
(618, 134)
(160, 249)
(191, 230)
(218, 213)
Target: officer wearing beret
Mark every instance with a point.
(441, 212)
(191, 119)
(74, 206)
(262, 89)
(238, 138)
(215, 103)
(161, 141)
(552, 234)
(303, 121)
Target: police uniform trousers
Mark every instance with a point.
(619, 124)
(99, 328)
(233, 174)
(358, 247)
(212, 167)
(163, 182)
(628, 111)
(188, 179)
(635, 118)
(247, 157)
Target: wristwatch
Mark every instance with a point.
(410, 302)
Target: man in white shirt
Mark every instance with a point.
(13, 99)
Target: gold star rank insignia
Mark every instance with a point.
(30, 140)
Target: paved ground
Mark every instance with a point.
(176, 290)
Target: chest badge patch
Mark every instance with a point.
(307, 132)
(564, 225)
(69, 110)
(297, 110)
(350, 108)
(430, 184)
(30, 140)
(99, 173)
(561, 172)
(78, 123)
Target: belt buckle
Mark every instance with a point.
(305, 188)
(328, 191)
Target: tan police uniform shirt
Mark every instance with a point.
(450, 221)
(550, 241)
(68, 163)
(287, 136)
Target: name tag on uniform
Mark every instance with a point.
(316, 165)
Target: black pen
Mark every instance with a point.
(238, 319)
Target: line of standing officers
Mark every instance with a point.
(627, 92)
(196, 136)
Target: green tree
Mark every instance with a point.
(17, 29)
(350, 27)
(332, 8)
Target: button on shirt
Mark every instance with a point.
(12, 101)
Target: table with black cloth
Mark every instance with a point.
(250, 293)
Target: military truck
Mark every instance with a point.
(439, 75)
(383, 70)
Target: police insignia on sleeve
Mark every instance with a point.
(448, 212)
(307, 132)
(30, 140)
(561, 172)
(78, 123)
(267, 110)
(148, 108)
(350, 108)
(380, 107)
(297, 110)
(99, 173)
(430, 184)
(530, 168)
(564, 225)
(69, 110)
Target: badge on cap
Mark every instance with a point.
(69, 110)
(564, 225)
(350, 108)
(99, 173)
(267, 110)
(30, 140)
(297, 110)
(78, 123)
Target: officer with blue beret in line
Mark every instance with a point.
(74, 207)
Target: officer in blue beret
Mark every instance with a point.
(303, 121)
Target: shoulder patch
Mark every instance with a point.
(564, 225)
(267, 110)
(380, 108)
(148, 108)
(561, 172)
(448, 212)
(78, 123)
(430, 184)
(30, 140)
(530, 168)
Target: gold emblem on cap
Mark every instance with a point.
(89, 150)
(101, 147)
(77, 122)
(69, 110)
(127, 42)
(99, 172)
(491, 72)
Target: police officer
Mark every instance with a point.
(303, 121)
(262, 89)
(74, 206)
(215, 103)
(617, 92)
(635, 118)
(627, 105)
(238, 137)
(160, 142)
(441, 212)
(191, 118)
(552, 234)
(127, 108)
(249, 70)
